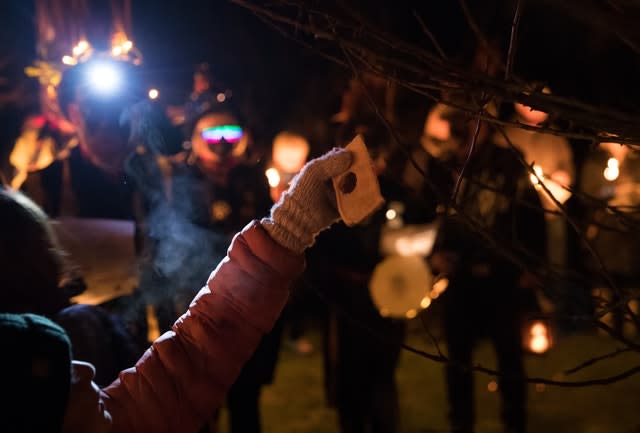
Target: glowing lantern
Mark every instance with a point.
(289, 152)
(154, 93)
(538, 338)
(288, 155)
(399, 286)
(612, 171)
(528, 115)
(407, 239)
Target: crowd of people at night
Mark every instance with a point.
(232, 240)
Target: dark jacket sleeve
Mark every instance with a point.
(184, 376)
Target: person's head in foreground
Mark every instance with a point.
(48, 392)
(33, 263)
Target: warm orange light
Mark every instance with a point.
(80, 48)
(273, 177)
(612, 171)
(68, 60)
(535, 179)
(539, 341)
(439, 287)
(290, 152)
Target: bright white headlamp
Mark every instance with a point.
(104, 77)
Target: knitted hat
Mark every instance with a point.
(36, 367)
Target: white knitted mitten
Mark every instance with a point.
(309, 205)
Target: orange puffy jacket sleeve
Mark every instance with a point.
(184, 376)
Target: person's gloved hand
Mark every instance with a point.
(309, 205)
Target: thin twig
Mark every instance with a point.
(472, 147)
(512, 42)
(430, 35)
(595, 360)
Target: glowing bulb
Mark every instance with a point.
(68, 60)
(117, 50)
(539, 344)
(391, 214)
(273, 177)
(538, 329)
(220, 97)
(539, 340)
(426, 301)
(612, 171)
(127, 45)
(80, 48)
(492, 386)
(411, 314)
(439, 287)
(154, 93)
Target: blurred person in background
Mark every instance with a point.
(361, 347)
(552, 158)
(218, 185)
(553, 162)
(610, 180)
(488, 295)
(206, 95)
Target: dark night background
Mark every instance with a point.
(277, 83)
